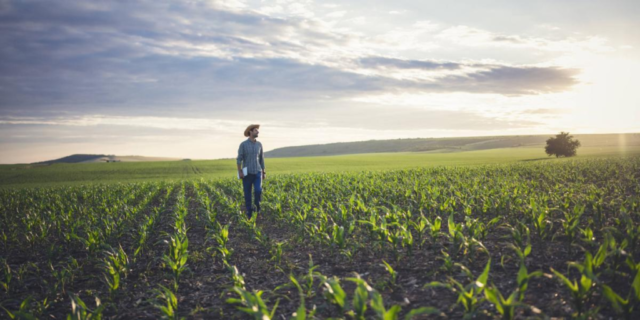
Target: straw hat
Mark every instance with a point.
(249, 128)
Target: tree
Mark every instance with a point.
(562, 145)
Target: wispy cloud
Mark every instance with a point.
(469, 36)
(148, 54)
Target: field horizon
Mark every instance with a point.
(61, 174)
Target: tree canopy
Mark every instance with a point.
(562, 145)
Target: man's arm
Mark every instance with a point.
(261, 160)
(240, 159)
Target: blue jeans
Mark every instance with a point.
(248, 181)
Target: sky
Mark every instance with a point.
(184, 79)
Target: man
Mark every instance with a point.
(250, 156)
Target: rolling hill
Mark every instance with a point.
(87, 158)
(447, 144)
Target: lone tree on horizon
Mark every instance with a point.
(562, 145)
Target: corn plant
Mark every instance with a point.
(447, 262)
(63, 275)
(468, 295)
(456, 236)
(301, 312)
(587, 235)
(176, 259)
(541, 224)
(23, 312)
(253, 304)
(167, 302)
(236, 276)
(571, 221)
(625, 306)
(360, 298)
(6, 276)
(115, 265)
(421, 226)
(434, 227)
(506, 307)
(333, 292)
(392, 272)
(580, 291)
(80, 311)
(521, 253)
(523, 280)
(520, 234)
(309, 278)
(377, 305)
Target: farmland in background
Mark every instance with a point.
(525, 239)
(91, 173)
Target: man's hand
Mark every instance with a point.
(264, 175)
(240, 174)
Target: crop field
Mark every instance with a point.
(521, 240)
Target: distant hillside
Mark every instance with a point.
(86, 158)
(74, 158)
(446, 144)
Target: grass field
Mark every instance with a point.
(89, 173)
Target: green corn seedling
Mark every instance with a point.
(80, 311)
(377, 305)
(167, 302)
(521, 253)
(6, 277)
(301, 312)
(236, 276)
(447, 262)
(309, 278)
(625, 306)
(253, 304)
(469, 295)
(23, 312)
(506, 307)
(523, 280)
(421, 226)
(360, 298)
(333, 291)
(434, 227)
(393, 273)
(276, 252)
(580, 291)
(176, 259)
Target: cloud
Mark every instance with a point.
(383, 62)
(167, 57)
(513, 80)
(475, 37)
(545, 111)
(476, 77)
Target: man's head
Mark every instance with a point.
(252, 131)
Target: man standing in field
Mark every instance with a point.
(250, 156)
